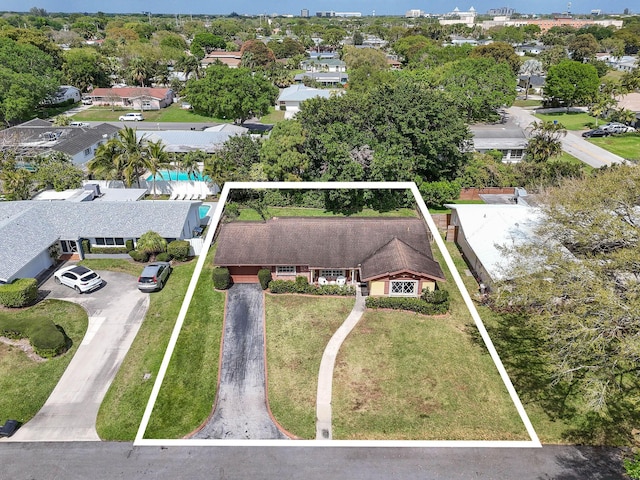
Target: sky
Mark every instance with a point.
(366, 7)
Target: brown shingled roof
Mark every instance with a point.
(329, 243)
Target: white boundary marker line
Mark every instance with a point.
(141, 441)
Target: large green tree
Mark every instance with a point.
(232, 93)
(57, 171)
(572, 82)
(575, 287)
(85, 68)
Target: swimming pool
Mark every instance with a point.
(167, 175)
(204, 209)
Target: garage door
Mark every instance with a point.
(244, 274)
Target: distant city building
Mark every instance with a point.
(567, 21)
(329, 13)
(467, 18)
(415, 13)
(304, 13)
(348, 14)
(506, 11)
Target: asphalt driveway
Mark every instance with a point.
(116, 311)
(241, 404)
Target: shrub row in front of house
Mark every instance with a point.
(301, 285)
(20, 293)
(438, 306)
(45, 337)
(178, 250)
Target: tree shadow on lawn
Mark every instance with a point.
(524, 354)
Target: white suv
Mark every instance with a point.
(131, 117)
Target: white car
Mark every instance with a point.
(615, 127)
(131, 117)
(80, 278)
(79, 124)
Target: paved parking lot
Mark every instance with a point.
(116, 311)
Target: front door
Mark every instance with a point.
(69, 246)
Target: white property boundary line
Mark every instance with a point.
(141, 441)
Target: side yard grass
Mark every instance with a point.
(172, 113)
(249, 214)
(122, 409)
(26, 383)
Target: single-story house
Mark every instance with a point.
(323, 65)
(506, 138)
(40, 137)
(533, 82)
(34, 233)
(480, 231)
(392, 255)
(64, 93)
(291, 97)
(631, 101)
(181, 141)
(332, 79)
(139, 98)
(230, 59)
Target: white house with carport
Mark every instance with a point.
(292, 97)
(508, 139)
(34, 233)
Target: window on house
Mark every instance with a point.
(87, 152)
(404, 288)
(109, 241)
(286, 270)
(331, 273)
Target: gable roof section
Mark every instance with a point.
(325, 243)
(300, 93)
(187, 140)
(395, 257)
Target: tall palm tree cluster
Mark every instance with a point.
(127, 157)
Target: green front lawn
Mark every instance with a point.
(25, 383)
(572, 121)
(627, 145)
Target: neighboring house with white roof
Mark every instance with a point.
(332, 79)
(182, 141)
(63, 94)
(481, 229)
(292, 97)
(323, 65)
(34, 233)
(40, 137)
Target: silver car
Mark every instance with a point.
(154, 276)
(81, 279)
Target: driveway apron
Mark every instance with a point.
(241, 406)
(116, 312)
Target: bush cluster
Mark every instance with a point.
(22, 292)
(221, 278)
(264, 277)
(45, 337)
(436, 297)
(129, 245)
(163, 257)
(417, 305)
(86, 245)
(179, 249)
(301, 285)
(139, 256)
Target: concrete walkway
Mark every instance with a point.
(572, 143)
(116, 312)
(241, 403)
(325, 376)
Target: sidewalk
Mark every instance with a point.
(325, 376)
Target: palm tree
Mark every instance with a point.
(217, 170)
(156, 159)
(188, 64)
(138, 70)
(131, 156)
(103, 165)
(151, 243)
(545, 140)
(190, 164)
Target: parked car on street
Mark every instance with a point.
(9, 428)
(615, 127)
(131, 117)
(596, 132)
(79, 124)
(154, 276)
(81, 279)
(87, 101)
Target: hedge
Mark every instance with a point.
(45, 337)
(179, 249)
(129, 245)
(163, 257)
(264, 276)
(221, 278)
(22, 292)
(112, 250)
(86, 245)
(303, 286)
(408, 303)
